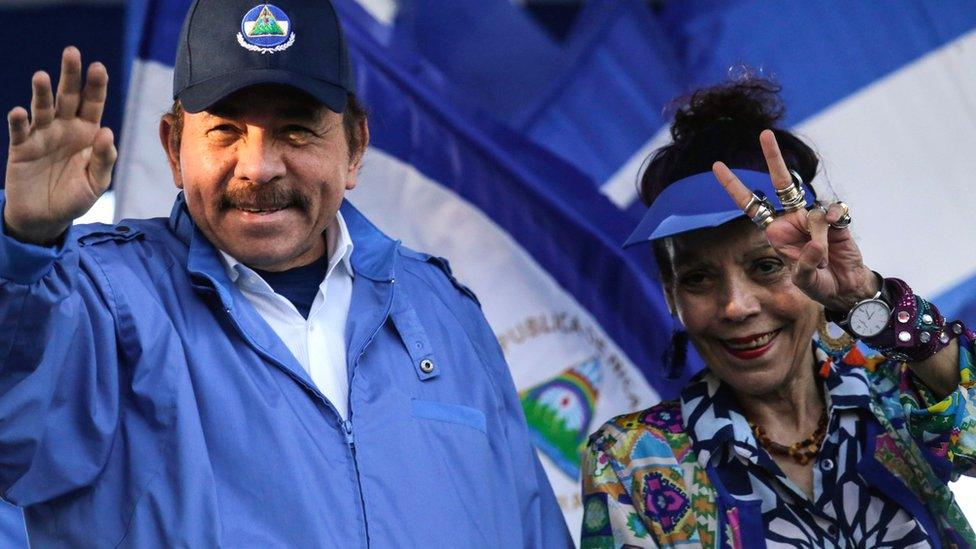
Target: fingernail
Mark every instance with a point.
(86, 153)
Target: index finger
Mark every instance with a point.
(736, 189)
(778, 171)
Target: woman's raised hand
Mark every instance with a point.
(60, 160)
(825, 261)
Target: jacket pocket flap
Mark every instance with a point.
(451, 413)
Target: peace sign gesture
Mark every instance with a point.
(825, 261)
(60, 160)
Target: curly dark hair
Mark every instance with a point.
(723, 122)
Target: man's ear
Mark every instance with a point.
(356, 157)
(171, 146)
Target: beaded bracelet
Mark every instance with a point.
(916, 329)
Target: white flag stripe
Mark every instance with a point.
(144, 183)
(621, 188)
(901, 153)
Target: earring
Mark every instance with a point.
(676, 355)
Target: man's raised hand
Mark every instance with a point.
(60, 159)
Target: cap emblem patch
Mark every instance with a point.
(266, 29)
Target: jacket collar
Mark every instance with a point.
(179, 220)
(373, 256)
(717, 428)
(375, 253)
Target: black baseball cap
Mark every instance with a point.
(228, 45)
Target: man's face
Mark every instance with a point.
(264, 172)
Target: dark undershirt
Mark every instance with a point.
(299, 285)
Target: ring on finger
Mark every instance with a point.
(792, 197)
(763, 216)
(845, 219)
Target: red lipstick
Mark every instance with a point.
(750, 352)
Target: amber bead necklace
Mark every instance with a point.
(801, 452)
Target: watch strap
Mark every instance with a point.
(916, 329)
(843, 319)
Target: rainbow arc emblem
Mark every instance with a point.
(559, 413)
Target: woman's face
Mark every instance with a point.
(734, 295)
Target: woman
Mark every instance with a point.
(785, 439)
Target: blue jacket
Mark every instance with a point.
(144, 403)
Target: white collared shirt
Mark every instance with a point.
(319, 342)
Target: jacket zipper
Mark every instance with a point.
(347, 424)
(351, 442)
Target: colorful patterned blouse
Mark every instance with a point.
(689, 472)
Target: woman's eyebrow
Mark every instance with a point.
(760, 248)
(689, 260)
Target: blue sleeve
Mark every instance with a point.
(58, 371)
(543, 522)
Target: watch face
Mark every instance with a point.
(869, 318)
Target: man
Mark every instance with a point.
(264, 368)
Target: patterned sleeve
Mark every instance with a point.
(608, 512)
(947, 427)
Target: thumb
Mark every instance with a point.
(103, 155)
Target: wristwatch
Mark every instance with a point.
(868, 317)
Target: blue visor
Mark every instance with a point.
(697, 202)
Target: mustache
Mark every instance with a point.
(263, 197)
